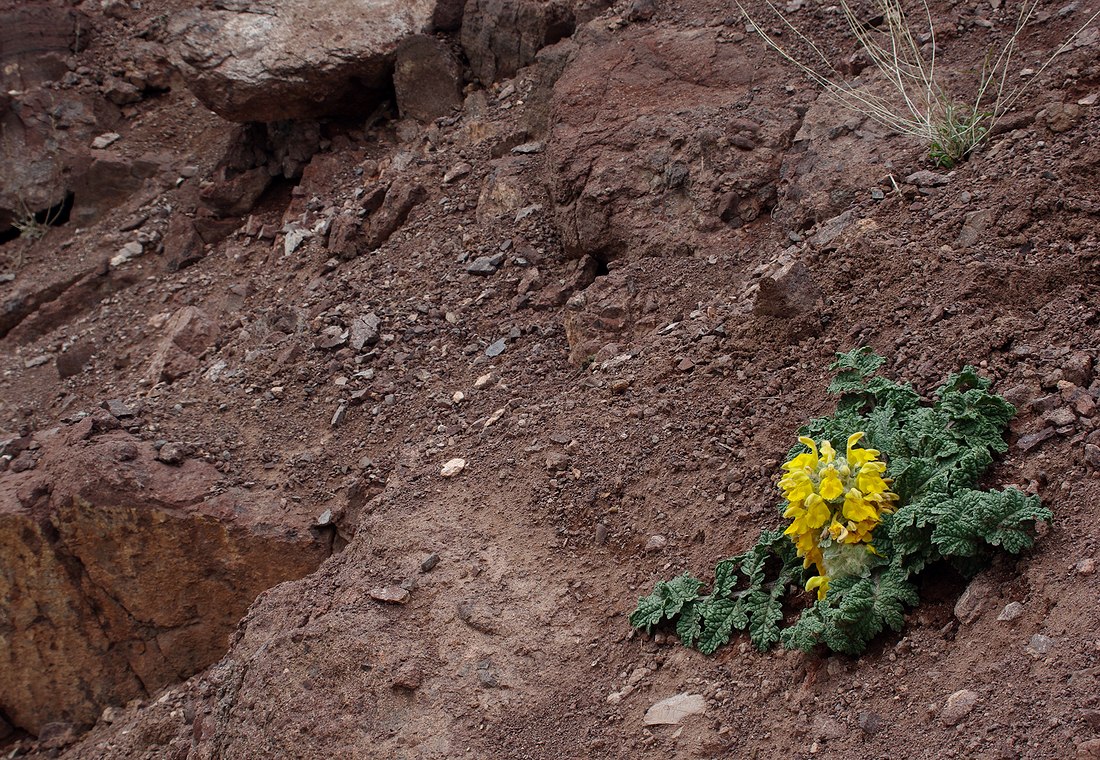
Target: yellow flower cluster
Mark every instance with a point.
(834, 504)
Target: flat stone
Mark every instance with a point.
(429, 563)
(482, 266)
(331, 337)
(118, 408)
(496, 348)
(1061, 417)
(1028, 442)
(339, 416)
(105, 140)
(390, 594)
(670, 711)
(926, 178)
(453, 467)
(458, 171)
(364, 331)
(958, 706)
(528, 148)
(1039, 645)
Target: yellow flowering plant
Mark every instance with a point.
(860, 526)
(834, 504)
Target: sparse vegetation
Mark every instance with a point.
(867, 537)
(918, 103)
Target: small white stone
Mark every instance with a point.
(106, 139)
(453, 467)
(669, 712)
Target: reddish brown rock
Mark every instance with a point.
(126, 575)
(427, 79)
(188, 334)
(643, 123)
(500, 36)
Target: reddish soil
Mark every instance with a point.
(638, 394)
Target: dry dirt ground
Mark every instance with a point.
(619, 375)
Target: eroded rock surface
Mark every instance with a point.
(657, 132)
(122, 574)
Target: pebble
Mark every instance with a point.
(325, 519)
(1039, 645)
(1031, 440)
(429, 563)
(958, 706)
(1086, 566)
(601, 533)
(483, 266)
(496, 348)
(105, 140)
(483, 381)
(458, 171)
(408, 676)
(656, 543)
(172, 453)
(670, 711)
(339, 416)
(453, 467)
(390, 594)
(1011, 611)
(870, 722)
(969, 606)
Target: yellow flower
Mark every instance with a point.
(821, 583)
(831, 486)
(834, 504)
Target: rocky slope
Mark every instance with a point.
(275, 277)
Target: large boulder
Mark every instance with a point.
(659, 137)
(295, 58)
(123, 574)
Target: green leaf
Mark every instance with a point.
(666, 601)
(767, 613)
(690, 623)
(973, 519)
(851, 368)
(722, 616)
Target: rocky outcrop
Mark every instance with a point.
(658, 132)
(295, 59)
(427, 79)
(123, 574)
(500, 36)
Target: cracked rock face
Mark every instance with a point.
(122, 574)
